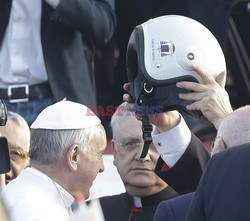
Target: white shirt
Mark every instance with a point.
(172, 144)
(34, 196)
(21, 55)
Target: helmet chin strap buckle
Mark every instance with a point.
(146, 133)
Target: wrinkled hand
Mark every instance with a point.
(2, 181)
(166, 120)
(163, 121)
(210, 98)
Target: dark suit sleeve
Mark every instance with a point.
(163, 212)
(95, 19)
(197, 209)
(184, 176)
(174, 209)
(5, 7)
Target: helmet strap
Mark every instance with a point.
(146, 134)
(144, 100)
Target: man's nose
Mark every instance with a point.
(9, 175)
(138, 155)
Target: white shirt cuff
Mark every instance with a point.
(53, 3)
(172, 144)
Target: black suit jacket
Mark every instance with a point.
(174, 209)
(185, 175)
(189, 169)
(69, 35)
(224, 190)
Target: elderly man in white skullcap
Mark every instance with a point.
(65, 156)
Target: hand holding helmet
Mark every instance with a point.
(210, 98)
(163, 121)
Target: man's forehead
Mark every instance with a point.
(128, 127)
(10, 127)
(128, 120)
(13, 145)
(16, 135)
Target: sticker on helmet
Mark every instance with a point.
(166, 48)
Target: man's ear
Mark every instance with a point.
(73, 157)
(114, 151)
(221, 145)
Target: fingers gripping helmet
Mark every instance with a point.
(160, 53)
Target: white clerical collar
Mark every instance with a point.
(137, 201)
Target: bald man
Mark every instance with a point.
(234, 130)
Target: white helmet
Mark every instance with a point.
(160, 53)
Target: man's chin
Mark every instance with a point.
(141, 183)
(139, 189)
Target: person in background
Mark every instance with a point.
(17, 133)
(47, 50)
(223, 192)
(173, 143)
(233, 131)
(66, 149)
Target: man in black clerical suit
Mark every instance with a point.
(181, 161)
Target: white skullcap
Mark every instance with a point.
(65, 115)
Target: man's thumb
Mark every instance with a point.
(221, 79)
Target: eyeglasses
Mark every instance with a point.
(130, 145)
(18, 155)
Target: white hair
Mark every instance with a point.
(19, 121)
(122, 110)
(50, 146)
(235, 128)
